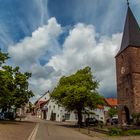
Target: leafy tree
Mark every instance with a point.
(78, 92)
(112, 112)
(13, 85)
(136, 118)
(3, 57)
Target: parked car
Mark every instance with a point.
(114, 121)
(1, 116)
(9, 115)
(91, 121)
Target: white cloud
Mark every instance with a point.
(41, 84)
(136, 1)
(75, 47)
(4, 36)
(82, 47)
(43, 10)
(30, 49)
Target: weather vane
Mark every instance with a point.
(128, 2)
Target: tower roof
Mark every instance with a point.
(131, 33)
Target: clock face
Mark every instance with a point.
(122, 70)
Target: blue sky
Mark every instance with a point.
(51, 38)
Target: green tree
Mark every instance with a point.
(112, 112)
(4, 80)
(77, 92)
(3, 57)
(13, 85)
(136, 118)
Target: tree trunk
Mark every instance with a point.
(79, 117)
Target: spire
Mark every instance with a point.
(127, 2)
(131, 33)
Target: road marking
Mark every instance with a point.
(33, 133)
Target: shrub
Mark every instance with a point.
(115, 131)
(131, 132)
(101, 124)
(136, 118)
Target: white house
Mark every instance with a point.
(41, 113)
(47, 109)
(58, 113)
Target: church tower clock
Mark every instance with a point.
(128, 70)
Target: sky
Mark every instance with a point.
(52, 38)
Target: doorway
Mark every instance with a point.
(127, 114)
(44, 114)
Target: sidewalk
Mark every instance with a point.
(97, 135)
(16, 130)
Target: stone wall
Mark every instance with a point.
(128, 80)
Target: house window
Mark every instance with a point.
(54, 107)
(97, 116)
(67, 116)
(101, 118)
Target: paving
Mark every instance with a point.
(33, 128)
(54, 131)
(16, 130)
(48, 130)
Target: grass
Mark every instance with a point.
(120, 132)
(90, 133)
(116, 134)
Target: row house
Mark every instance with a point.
(47, 109)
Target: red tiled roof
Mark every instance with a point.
(36, 102)
(41, 103)
(111, 101)
(44, 102)
(100, 106)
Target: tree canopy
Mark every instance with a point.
(112, 112)
(13, 85)
(3, 57)
(77, 92)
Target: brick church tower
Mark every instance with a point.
(128, 70)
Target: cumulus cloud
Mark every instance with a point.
(82, 47)
(29, 50)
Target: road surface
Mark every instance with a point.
(46, 130)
